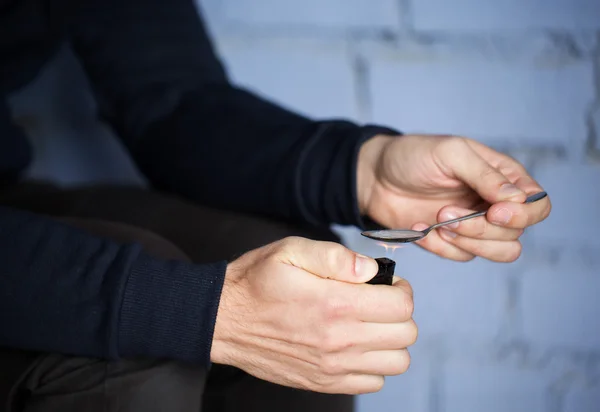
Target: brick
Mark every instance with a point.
(315, 79)
(560, 306)
(510, 104)
(574, 193)
(466, 301)
(506, 15)
(583, 399)
(407, 392)
(336, 14)
(470, 386)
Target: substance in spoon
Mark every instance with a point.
(407, 235)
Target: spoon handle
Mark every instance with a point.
(530, 199)
(458, 219)
(535, 197)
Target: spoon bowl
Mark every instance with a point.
(408, 235)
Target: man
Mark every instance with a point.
(130, 300)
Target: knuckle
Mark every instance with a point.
(331, 366)
(514, 252)
(517, 234)
(288, 243)
(338, 258)
(378, 384)
(547, 210)
(335, 308)
(409, 289)
(334, 343)
(456, 141)
(466, 257)
(372, 385)
(404, 363)
(412, 333)
(405, 286)
(319, 382)
(480, 227)
(486, 173)
(409, 306)
(530, 220)
(477, 249)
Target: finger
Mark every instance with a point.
(508, 166)
(435, 244)
(477, 228)
(403, 284)
(328, 260)
(494, 250)
(356, 385)
(479, 174)
(519, 215)
(380, 303)
(388, 336)
(387, 363)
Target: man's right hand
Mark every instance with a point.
(298, 313)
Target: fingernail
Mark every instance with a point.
(502, 216)
(450, 216)
(509, 190)
(365, 266)
(448, 233)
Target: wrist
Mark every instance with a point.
(223, 349)
(369, 157)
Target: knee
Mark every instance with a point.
(151, 242)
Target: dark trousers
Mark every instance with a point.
(168, 227)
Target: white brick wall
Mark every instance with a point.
(576, 194)
(327, 14)
(522, 75)
(493, 387)
(485, 100)
(505, 15)
(560, 306)
(281, 70)
(583, 398)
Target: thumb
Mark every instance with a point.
(328, 260)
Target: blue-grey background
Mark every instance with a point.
(520, 75)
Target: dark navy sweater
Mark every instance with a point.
(160, 86)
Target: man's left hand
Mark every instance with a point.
(414, 181)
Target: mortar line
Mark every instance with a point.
(405, 17)
(593, 139)
(514, 321)
(437, 369)
(360, 68)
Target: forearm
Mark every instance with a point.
(65, 291)
(194, 133)
(230, 149)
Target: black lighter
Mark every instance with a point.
(385, 274)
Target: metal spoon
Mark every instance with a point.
(407, 236)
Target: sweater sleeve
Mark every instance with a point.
(65, 291)
(191, 131)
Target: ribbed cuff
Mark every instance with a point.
(169, 309)
(328, 173)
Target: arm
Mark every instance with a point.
(192, 132)
(64, 291)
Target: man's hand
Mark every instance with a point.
(298, 313)
(415, 181)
